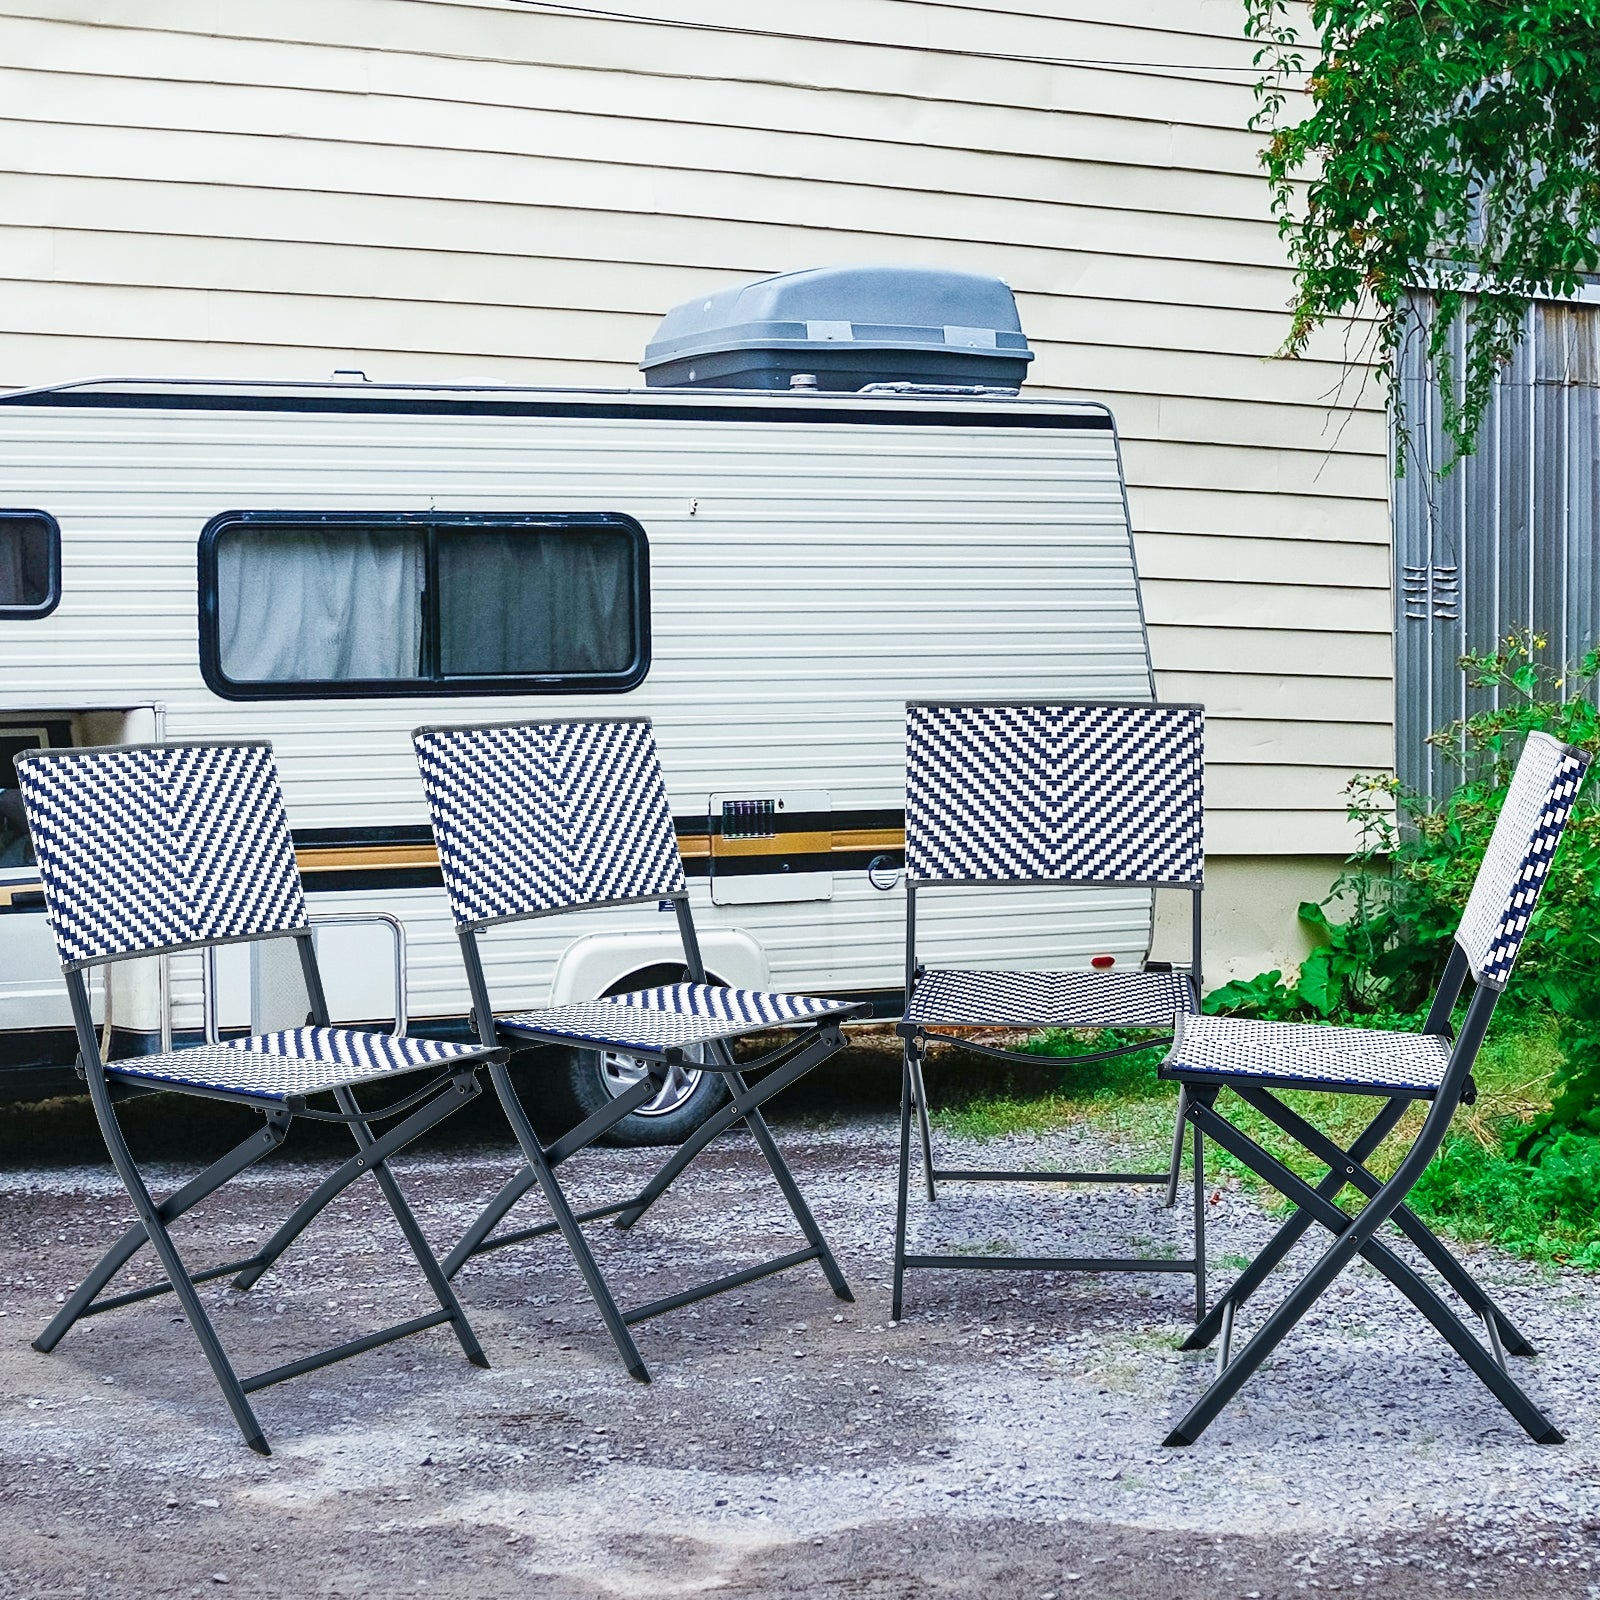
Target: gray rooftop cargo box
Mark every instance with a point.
(847, 327)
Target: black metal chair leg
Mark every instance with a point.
(1352, 1236)
(903, 1193)
(397, 1138)
(1199, 1226)
(464, 1087)
(1432, 1248)
(476, 1240)
(178, 1274)
(718, 1123)
(571, 1231)
(259, 1144)
(920, 1097)
(801, 1212)
(1175, 1169)
(1292, 1231)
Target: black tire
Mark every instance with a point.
(587, 1091)
(584, 1078)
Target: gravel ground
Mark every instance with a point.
(1004, 1440)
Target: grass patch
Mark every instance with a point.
(993, 1104)
(1478, 1188)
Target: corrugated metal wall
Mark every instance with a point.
(1510, 539)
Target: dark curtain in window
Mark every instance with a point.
(534, 601)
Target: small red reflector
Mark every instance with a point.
(1102, 962)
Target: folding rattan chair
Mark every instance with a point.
(537, 819)
(152, 848)
(1014, 794)
(1256, 1060)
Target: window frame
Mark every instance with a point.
(20, 613)
(428, 522)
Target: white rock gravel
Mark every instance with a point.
(1005, 1439)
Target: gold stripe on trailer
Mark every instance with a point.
(869, 839)
(7, 891)
(365, 857)
(816, 843)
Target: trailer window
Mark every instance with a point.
(422, 604)
(30, 564)
(16, 848)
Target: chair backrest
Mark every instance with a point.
(1070, 793)
(1538, 803)
(144, 848)
(537, 817)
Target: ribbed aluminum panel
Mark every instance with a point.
(1509, 540)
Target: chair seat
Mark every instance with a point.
(654, 1020)
(957, 999)
(1307, 1055)
(299, 1061)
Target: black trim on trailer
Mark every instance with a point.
(815, 861)
(329, 880)
(431, 681)
(355, 838)
(685, 824)
(916, 414)
(781, 822)
(33, 1048)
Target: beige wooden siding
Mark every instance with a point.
(439, 189)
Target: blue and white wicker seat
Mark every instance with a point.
(1018, 795)
(675, 1017)
(972, 999)
(1308, 1055)
(294, 1064)
(152, 848)
(1255, 1060)
(536, 819)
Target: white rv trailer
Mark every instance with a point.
(769, 577)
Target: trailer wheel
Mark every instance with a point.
(596, 1077)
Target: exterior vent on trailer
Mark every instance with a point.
(845, 329)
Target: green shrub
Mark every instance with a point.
(1545, 1209)
(1395, 908)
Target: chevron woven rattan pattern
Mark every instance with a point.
(548, 816)
(1308, 1054)
(679, 1014)
(298, 1061)
(145, 848)
(1532, 818)
(955, 999)
(1074, 793)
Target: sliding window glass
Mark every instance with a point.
(297, 605)
(30, 564)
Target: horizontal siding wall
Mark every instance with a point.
(437, 189)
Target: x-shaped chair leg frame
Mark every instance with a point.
(796, 1059)
(1352, 1236)
(1346, 1167)
(153, 1227)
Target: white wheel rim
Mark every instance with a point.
(620, 1073)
